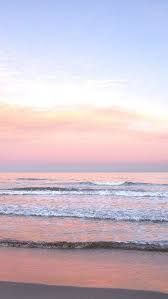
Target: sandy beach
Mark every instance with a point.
(82, 273)
(9, 290)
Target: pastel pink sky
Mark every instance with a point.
(83, 86)
(83, 137)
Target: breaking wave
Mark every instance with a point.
(114, 214)
(82, 191)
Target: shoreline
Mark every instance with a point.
(139, 246)
(12, 290)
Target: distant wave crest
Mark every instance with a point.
(31, 179)
(83, 191)
(94, 183)
(120, 183)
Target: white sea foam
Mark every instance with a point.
(101, 192)
(132, 215)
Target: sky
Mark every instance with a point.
(83, 85)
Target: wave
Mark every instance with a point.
(130, 245)
(43, 189)
(129, 215)
(102, 183)
(120, 183)
(93, 183)
(31, 179)
(82, 191)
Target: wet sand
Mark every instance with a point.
(93, 268)
(9, 290)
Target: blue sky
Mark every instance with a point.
(95, 40)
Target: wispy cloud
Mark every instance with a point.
(84, 118)
(108, 83)
(83, 135)
(41, 89)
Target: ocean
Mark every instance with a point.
(120, 210)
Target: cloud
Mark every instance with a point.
(83, 118)
(37, 88)
(107, 83)
(81, 136)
